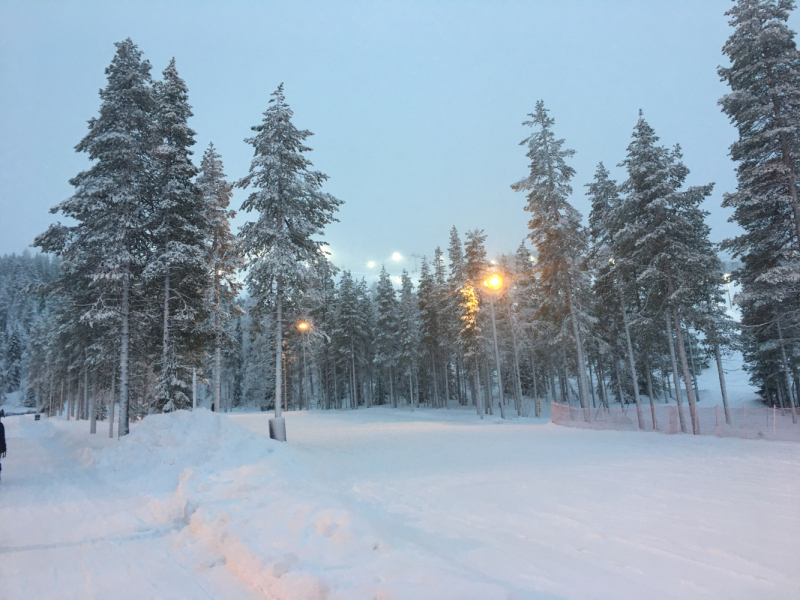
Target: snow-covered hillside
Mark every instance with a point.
(389, 504)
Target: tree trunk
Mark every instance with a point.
(533, 380)
(786, 371)
(487, 387)
(476, 389)
(435, 385)
(722, 386)
(93, 405)
(85, 401)
(675, 377)
(694, 368)
(582, 385)
(391, 388)
(353, 387)
(682, 355)
(165, 338)
(636, 397)
(601, 376)
(500, 394)
(447, 383)
(649, 378)
(278, 349)
(123, 428)
(111, 406)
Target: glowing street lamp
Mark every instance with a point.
(494, 283)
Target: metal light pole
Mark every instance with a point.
(303, 326)
(494, 283)
(727, 278)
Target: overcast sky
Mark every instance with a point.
(416, 107)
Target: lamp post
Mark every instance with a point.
(304, 327)
(494, 283)
(727, 279)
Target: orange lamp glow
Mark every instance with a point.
(494, 282)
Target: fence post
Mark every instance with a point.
(774, 414)
(716, 414)
(744, 412)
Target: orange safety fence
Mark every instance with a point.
(761, 423)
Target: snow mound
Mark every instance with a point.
(199, 439)
(27, 427)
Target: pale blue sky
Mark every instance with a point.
(416, 106)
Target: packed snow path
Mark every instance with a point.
(389, 504)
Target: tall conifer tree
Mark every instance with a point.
(106, 248)
(557, 233)
(291, 209)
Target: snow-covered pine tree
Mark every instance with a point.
(764, 105)
(348, 333)
(365, 311)
(452, 309)
(604, 197)
(557, 233)
(408, 336)
(661, 235)
(291, 207)
(107, 247)
(614, 277)
(386, 347)
(319, 304)
(470, 339)
(430, 323)
(180, 228)
(222, 260)
(446, 333)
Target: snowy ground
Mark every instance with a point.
(389, 504)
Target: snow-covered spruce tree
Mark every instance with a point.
(320, 304)
(222, 260)
(604, 196)
(408, 336)
(179, 228)
(470, 339)
(291, 209)
(430, 321)
(447, 334)
(106, 248)
(661, 236)
(366, 315)
(386, 347)
(764, 105)
(452, 308)
(615, 277)
(557, 233)
(532, 338)
(350, 332)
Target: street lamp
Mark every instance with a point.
(304, 327)
(494, 283)
(727, 279)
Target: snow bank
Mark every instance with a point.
(169, 443)
(26, 427)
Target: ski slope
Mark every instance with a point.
(392, 504)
